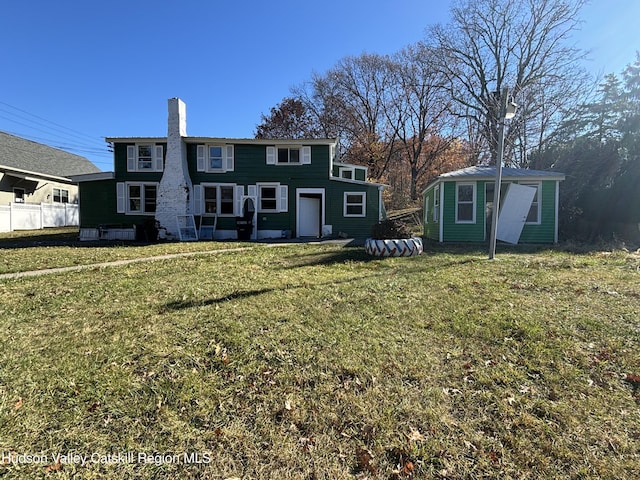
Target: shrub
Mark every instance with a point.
(389, 229)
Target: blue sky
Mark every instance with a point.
(74, 72)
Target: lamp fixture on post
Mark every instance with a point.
(507, 112)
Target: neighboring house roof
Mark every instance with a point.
(26, 156)
(489, 173)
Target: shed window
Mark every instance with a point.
(465, 203)
(436, 204)
(533, 216)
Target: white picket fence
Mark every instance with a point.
(34, 216)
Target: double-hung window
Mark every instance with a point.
(465, 202)
(215, 158)
(145, 157)
(136, 198)
(355, 204)
(273, 198)
(534, 211)
(60, 195)
(219, 199)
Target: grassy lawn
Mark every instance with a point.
(318, 362)
(59, 247)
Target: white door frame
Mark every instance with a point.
(309, 191)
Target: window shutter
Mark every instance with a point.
(158, 160)
(198, 193)
(284, 198)
(131, 158)
(252, 190)
(201, 157)
(271, 155)
(238, 200)
(120, 198)
(305, 153)
(229, 158)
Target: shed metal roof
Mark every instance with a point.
(507, 173)
(489, 173)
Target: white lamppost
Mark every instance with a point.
(507, 112)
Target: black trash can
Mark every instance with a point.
(244, 224)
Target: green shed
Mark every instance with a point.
(458, 206)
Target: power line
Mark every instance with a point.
(76, 132)
(102, 150)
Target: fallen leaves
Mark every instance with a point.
(365, 460)
(54, 467)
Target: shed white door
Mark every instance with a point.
(513, 212)
(309, 216)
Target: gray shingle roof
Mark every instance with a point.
(22, 154)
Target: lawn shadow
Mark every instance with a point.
(244, 294)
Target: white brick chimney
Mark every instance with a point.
(176, 190)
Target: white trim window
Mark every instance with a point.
(136, 198)
(284, 155)
(533, 217)
(355, 204)
(145, 157)
(215, 158)
(60, 195)
(347, 172)
(273, 198)
(436, 204)
(219, 199)
(465, 203)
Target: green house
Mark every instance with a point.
(209, 187)
(458, 206)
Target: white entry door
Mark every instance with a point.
(309, 211)
(513, 212)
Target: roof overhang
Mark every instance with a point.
(93, 177)
(358, 182)
(32, 176)
(221, 140)
(489, 174)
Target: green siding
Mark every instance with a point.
(98, 206)
(545, 232)
(461, 232)
(250, 167)
(476, 232)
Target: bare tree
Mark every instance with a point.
(418, 110)
(349, 101)
(520, 44)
